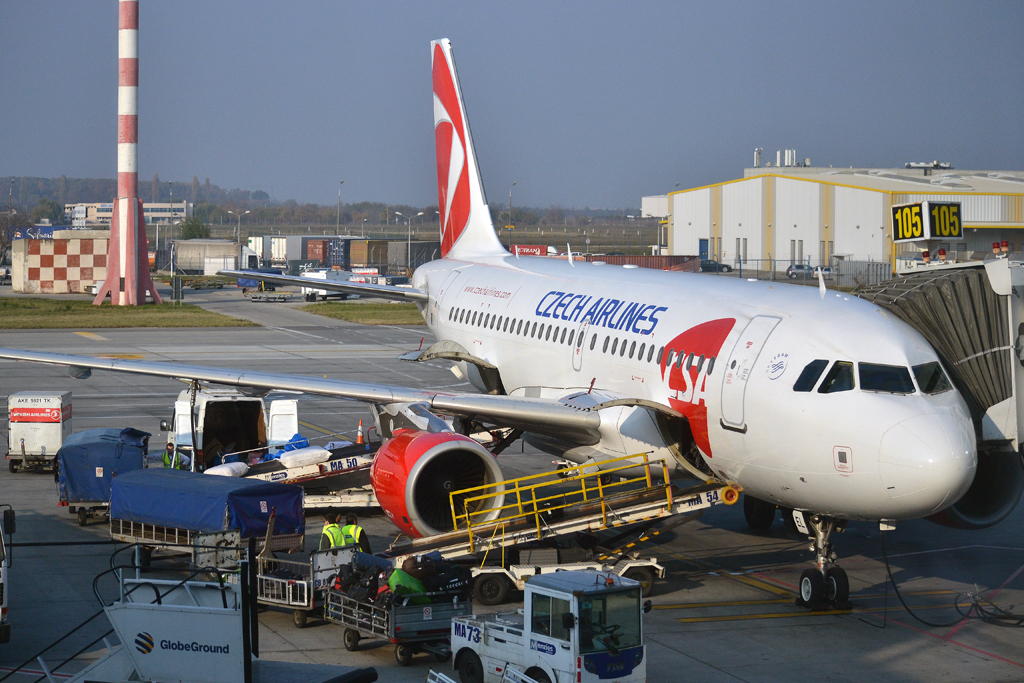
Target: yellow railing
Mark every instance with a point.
(539, 495)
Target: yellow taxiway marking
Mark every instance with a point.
(91, 335)
(122, 356)
(748, 603)
(319, 429)
(788, 615)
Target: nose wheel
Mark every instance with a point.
(826, 584)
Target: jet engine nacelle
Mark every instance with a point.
(994, 493)
(414, 472)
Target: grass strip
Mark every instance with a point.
(18, 313)
(369, 314)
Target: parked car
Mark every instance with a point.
(803, 270)
(712, 266)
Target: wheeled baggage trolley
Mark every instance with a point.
(295, 584)
(411, 624)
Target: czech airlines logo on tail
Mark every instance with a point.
(693, 356)
(465, 219)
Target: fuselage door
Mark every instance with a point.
(578, 345)
(738, 368)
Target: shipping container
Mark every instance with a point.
(421, 252)
(363, 253)
(190, 255)
(686, 264)
(213, 264)
(317, 250)
(38, 423)
(278, 250)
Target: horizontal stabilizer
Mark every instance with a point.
(362, 288)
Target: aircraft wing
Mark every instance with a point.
(363, 288)
(543, 416)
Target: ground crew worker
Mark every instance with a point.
(331, 536)
(353, 534)
(173, 459)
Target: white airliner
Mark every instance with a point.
(812, 401)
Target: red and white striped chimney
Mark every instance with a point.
(128, 98)
(127, 279)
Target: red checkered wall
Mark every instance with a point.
(61, 266)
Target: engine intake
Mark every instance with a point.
(994, 493)
(414, 473)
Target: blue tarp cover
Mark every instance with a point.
(88, 461)
(202, 502)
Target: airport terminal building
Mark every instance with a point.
(803, 214)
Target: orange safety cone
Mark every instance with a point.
(359, 434)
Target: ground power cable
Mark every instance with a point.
(982, 610)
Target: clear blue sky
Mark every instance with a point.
(582, 104)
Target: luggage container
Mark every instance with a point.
(88, 462)
(296, 584)
(208, 516)
(39, 421)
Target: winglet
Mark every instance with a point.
(466, 227)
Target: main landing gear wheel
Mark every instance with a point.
(837, 586)
(759, 514)
(351, 639)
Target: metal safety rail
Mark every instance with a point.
(541, 510)
(543, 497)
(296, 591)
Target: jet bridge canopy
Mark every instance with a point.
(972, 317)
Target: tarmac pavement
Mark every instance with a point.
(725, 612)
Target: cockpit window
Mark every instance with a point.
(892, 379)
(809, 377)
(839, 378)
(931, 378)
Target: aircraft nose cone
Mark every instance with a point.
(927, 462)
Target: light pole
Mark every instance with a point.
(339, 206)
(408, 226)
(238, 230)
(508, 227)
(364, 228)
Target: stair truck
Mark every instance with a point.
(583, 626)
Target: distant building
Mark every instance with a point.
(83, 215)
(815, 215)
(654, 207)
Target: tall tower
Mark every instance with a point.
(128, 254)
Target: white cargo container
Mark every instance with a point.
(311, 294)
(38, 423)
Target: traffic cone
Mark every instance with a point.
(359, 434)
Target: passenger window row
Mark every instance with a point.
(564, 335)
(500, 323)
(888, 379)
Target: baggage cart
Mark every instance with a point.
(296, 584)
(89, 461)
(412, 627)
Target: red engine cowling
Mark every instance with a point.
(414, 472)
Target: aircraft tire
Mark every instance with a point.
(759, 514)
(812, 587)
(837, 586)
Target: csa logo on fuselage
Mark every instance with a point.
(144, 643)
(777, 365)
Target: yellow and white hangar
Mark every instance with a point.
(774, 217)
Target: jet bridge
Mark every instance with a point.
(973, 316)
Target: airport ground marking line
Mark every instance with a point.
(992, 594)
(92, 335)
(743, 603)
(954, 642)
(786, 615)
(975, 546)
(721, 572)
(312, 426)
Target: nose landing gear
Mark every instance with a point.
(828, 583)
